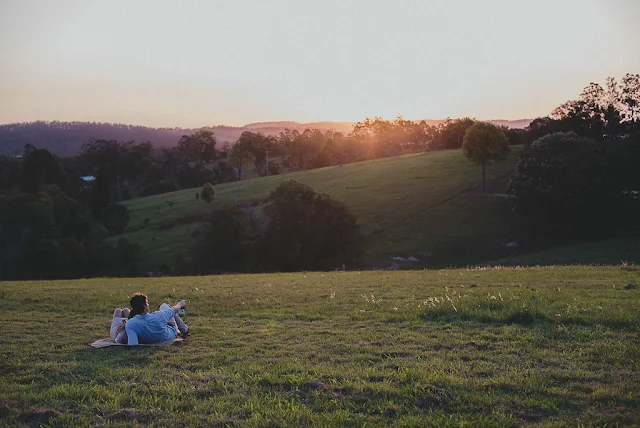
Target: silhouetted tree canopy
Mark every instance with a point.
(254, 147)
(39, 167)
(198, 147)
(598, 113)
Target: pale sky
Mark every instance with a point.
(197, 63)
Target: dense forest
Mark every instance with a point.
(578, 177)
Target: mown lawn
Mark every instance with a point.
(499, 347)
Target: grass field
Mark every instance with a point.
(495, 347)
(607, 252)
(407, 206)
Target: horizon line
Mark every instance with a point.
(251, 123)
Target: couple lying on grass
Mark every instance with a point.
(139, 326)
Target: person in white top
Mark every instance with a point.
(118, 332)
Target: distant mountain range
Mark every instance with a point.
(66, 138)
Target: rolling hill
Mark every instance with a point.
(418, 210)
(415, 211)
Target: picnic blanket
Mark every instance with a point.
(102, 343)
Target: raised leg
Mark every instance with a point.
(181, 325)
(176, 322)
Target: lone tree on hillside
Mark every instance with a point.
(208, 193)
(485, 142)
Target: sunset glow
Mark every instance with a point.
(189, 64)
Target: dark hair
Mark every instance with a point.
(137, 304)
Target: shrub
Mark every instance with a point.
(115, 217)
(308, 230)
(228, 245)
(563, 184)
(208, 193)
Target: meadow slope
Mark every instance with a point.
(415, 211)
(499, 347)
(419, 205)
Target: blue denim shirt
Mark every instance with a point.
(151, 328)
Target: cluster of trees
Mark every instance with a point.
(126, 170)
(573, 186)
(579, 177)
(292, 150)
(106, 172)
(294, 229)
(46, 233)
(599, 112)
(56, 214)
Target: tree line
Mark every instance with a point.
(128, 169)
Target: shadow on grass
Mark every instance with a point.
(364, 398)
(113, 356)
(510, 314)
(97, 365)
(536, 406)
(543, 406)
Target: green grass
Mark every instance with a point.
(486, 347)
(407, 206)
(611, 252)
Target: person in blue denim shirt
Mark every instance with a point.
(156, 327)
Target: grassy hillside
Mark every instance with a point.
(499, 347)
(610, 252)
(416, 206)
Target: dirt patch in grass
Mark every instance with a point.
(128, 415)
(39, 417)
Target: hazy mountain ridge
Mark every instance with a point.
(343, 127)
(519, 124)
(67, 138)
(348, 126)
